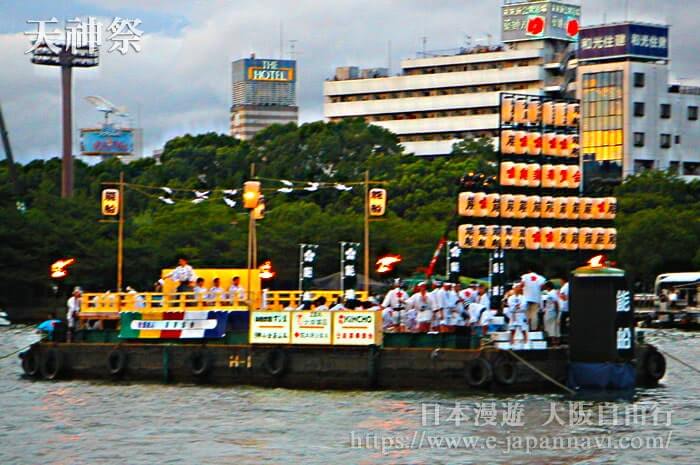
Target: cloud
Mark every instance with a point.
(181, 82)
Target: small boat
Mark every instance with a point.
(4, 321)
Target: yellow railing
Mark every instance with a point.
(108, 305)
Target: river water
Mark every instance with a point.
(82, 422)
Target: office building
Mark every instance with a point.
(441, 98)
(263, 93)
(633, 117)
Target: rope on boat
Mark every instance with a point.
(541, 373)
(678, 360)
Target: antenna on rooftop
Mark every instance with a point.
(293, 53)
(425, 44)
(388, 56)
(281, 40)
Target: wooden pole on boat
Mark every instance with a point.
(120, 238)
(251, 246)
(366, 244)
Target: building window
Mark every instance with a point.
(691, 168)
(643, 165)
(602, 116)
(677, 139)
(665, 110)
(638, 108)
(639, 139)
(692, 113)
(665, 141)
(638, 79)
(673, 167)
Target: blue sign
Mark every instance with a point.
(106, 141)
(623, 40)
(270, 70)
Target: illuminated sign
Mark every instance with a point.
(377, 202)
(357, 328)
(623, 40)
(310, 327)
(270, 70)
(106, 141)
(540, 20)
(110, 202)
(58, 268)
(270, 327)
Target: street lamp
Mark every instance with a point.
(67, 57)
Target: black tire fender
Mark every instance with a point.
(31, 362)
(200, 363)
(116, 362)
(505, 371)
(275, 362)
(52, 364)
(478, 372)
(654, 365)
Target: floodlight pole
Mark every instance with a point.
(67, 159)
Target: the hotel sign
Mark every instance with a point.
(623, 40)
(270, 70)
(540, 20)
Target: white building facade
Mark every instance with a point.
(442, 99)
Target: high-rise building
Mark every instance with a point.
(443, 97)
(633, 117)
(263, 93)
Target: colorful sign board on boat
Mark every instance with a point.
(357, 328)
(173, 325)
(310, 327)
(270, 327)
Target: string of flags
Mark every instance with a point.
(171, 195)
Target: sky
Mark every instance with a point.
(180, 80)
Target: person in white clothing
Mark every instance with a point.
(236, 292)
(516, 311)
(216, 293)
(532, 294)
(482, 297)
(550, 301)
(564, 307)
(72, 311)
(422, 303)
(320, 304)
(183, 274)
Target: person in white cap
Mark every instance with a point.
(450, 300)
(394, 301)
(422, 303)
(516, 311)
(307, 300)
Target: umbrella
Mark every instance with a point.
(48, 325)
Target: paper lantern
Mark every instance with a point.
(465, 236)
(480, 236)
(534, 206)
(610, 209)
(560, 207)
(480, 204)
(599, 207)
(547, 238)
(586, 208)
(520, 210)
(548, 113)
(493, 205)
(563, 145)
(572, 208)
(572, 114)
(507, 141)
(572, 238)
(520, 111)
(521, 173)
(507, 109)
(507, 203)
(548, 176)
(585, 238)
(534, 143)
(466, 205)
(599, 238)
(562, 176)
(534, 108)
(573, 176)
(559, 238)
(550, 144)
(560, 114)
(506, 237)
(610, 241)
(518, 237)
(493, 237)
(508, 175)
(575, 144)
(534, 174)
(520, 142)
(532, 238)
(547, 207)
